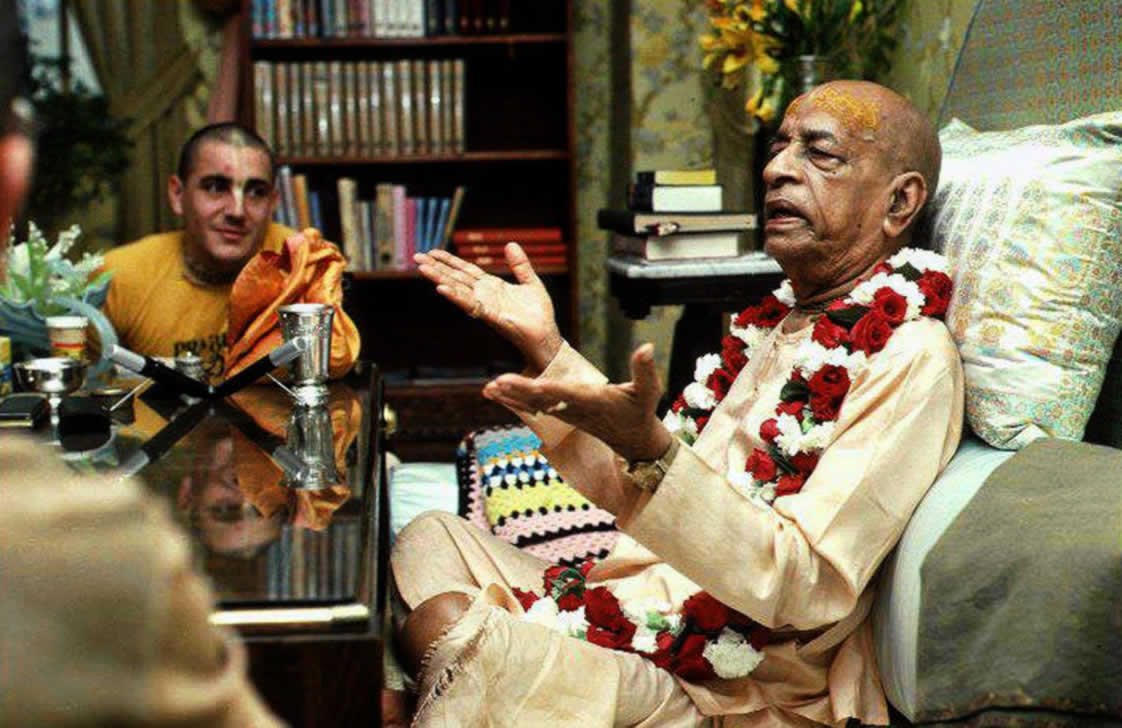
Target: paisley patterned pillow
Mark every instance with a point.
(508, 487)
(1031, 220)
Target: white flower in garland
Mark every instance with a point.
(698, 396)
(790, 438)
(705, 366)
(731, 655)
(785, 293)
(865, 292)
(921, 260)
(752, 336)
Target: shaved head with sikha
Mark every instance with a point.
(849, 172)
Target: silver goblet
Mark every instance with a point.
(55, 377)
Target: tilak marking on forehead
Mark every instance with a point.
(858, 115)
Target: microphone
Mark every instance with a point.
(159, 372)
(279, 356)
(155, 447)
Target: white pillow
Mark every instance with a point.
(1031, 221)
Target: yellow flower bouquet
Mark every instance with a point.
(852, 37)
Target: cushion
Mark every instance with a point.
(896, 611)
(508, 487)
(1031, 221)
(1017, 595)
(419, 487)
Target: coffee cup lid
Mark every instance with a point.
(68, 321)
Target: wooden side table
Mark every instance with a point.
(708, 289)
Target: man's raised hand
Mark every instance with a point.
(622, 415)
(522, 311)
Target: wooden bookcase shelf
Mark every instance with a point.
(438, 41)
(517, 166)
(509, 155)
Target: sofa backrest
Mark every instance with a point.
(1044, 62)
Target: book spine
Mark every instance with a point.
(307, 143)
(400, 229)
(350, 110)
(434, 17)
(363, 143)
(453, 216)
(436, 112)
(314, 205)
(264, 106)
(421, 136)
(284, 189)
(284, 19)
(506, 235)
(377, 115)
(367, 234)
(451, 17)
(300, 200)
(280, 78)
(383, 227)
(458, 104)
(322, 84)
(408, 143)
(348, 221)
(410, 230)
(391, 109)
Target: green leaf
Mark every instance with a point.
(794, 390)
(848, 316)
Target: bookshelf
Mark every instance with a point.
(516, 163)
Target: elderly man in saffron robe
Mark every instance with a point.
(754, 516)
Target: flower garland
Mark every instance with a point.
(910, 284)
(705, 639)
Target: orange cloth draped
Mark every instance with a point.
(307, 269)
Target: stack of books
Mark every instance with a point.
(676, 214)
(484, 246)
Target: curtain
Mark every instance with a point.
(150, 74)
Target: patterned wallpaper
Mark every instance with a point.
(676, 119)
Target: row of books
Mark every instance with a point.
(361, 108)
(384, 232)
(676, 215)
(378, 18)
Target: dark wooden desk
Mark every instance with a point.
(287, 512)
(707, 289)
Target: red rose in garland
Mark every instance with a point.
(936, 287)
(829, 334)
(760, 465)
(828, 388)
(871, 333)
(706, 613)
(891, 305)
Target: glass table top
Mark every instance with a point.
(283, 502)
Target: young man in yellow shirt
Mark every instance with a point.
(170, 292)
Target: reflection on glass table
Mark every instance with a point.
(282, 501)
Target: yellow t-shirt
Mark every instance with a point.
(157, 310)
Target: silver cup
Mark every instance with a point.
(312, 439)
(309, 371)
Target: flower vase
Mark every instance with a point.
(27, 328)
(811, 71)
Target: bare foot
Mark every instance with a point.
(395, 709)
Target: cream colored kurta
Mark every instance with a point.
(802, 568)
